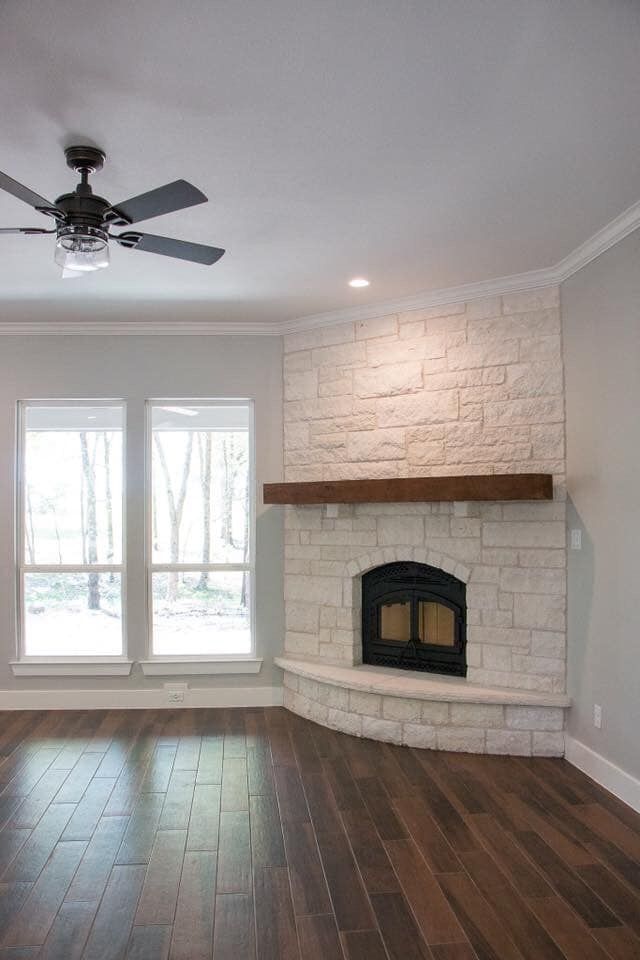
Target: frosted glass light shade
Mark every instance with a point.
(81, 249)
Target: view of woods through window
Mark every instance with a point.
(198, 508)
(71, 543)
(200, 529)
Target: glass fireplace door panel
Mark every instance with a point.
(395, 621)
(436, 624)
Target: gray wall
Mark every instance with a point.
(135, 368)
(601, 319)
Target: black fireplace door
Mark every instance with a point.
(414, 618)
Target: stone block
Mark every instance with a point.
(377, 327)
(510, 742)
(522, 534)
(548, 644)
(377, 729)
(483, 596)
(381, 352)
(546, 298)
(335, 697)
(546, 666)
(375, 445)
(477, 715)
(534, 718)
(415, 409)
(534, 379)
(346, 722)
(548, 744)
(340, 387)
(408, 531)
(367, 704)
(301, 644)
(388, 381)
(319, 336)
(418, 735)
(484, 307)
(497, 618)
(540, 612)
(425, 452)
(466, 527)
(530, 410)
(300, 386)
(527, 580)
(341, 356)
(496, 657)
(548, 441)
(401, 708)
(296, 362)
(411, 330)
(302, 617)
(435, 712)
(502, 636)
(461, 739)
(490, 354)
(325, 590)
(541, 349)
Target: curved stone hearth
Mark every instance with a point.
(435, 712)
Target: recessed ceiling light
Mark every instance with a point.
(359, 282)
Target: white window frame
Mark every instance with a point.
(165, 664)
(53, 665)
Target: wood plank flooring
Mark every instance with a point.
(253, 834)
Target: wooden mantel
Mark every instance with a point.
(503, 486)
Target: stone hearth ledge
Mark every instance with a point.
(444, 713)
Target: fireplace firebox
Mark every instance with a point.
(414, 618)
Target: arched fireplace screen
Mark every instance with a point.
(414, 618)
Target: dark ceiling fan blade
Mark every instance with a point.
(167, 247)
(172, 196)
(28, 230)
(23, 193)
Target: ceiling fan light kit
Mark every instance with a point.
(83, 219)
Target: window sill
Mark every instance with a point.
(71, 668)
(168, 666)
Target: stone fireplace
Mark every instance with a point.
(463, 389)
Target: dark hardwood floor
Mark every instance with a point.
(252, 834)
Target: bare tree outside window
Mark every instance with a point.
(200, 517)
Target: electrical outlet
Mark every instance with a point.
(576, 539)
(175, 692)
(597, 716)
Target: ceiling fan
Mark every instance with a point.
(83, 220)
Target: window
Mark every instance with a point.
(70, 535)
(200, 528)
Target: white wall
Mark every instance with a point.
(601, 320)
(135, 368)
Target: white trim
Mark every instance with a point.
(23, 569)
(622, 784)
(152, 568)
(71, 668)
(610, 234)
(182, 667)
(139, 699)
(415, 686)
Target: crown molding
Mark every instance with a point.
(612, 233)
(137, 328)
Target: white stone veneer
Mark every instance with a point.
(461, 389)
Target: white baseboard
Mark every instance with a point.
(622, 784)
(155, 698)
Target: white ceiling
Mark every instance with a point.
(422, 143)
